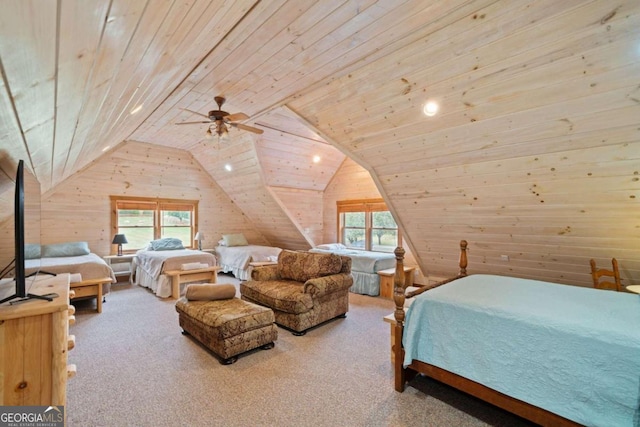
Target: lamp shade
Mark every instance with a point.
(199, 237)
(119, 239)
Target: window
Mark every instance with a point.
(367, 225)
(142, 220)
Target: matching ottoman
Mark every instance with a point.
(228, 327)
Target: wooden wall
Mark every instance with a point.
(79, 208)
(305, 207)
(31, 211)
(350, 182)
(246, 187)
(534, 154)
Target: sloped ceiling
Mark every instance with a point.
(538, 108)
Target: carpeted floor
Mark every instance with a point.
(135, 368)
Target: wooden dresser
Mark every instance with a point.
(34, 341)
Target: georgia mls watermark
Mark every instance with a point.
(31, 416)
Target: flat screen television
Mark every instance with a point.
(17, 264)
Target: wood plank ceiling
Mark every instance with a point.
(536, 142)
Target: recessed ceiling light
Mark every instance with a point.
(228, 167)
(316, 159)
(135, 110)
(431, 108)
(106, 148)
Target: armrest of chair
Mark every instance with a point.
(265, 272)
(328, 284)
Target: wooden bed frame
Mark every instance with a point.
(403, 375)
(90, 288)
(178, 277)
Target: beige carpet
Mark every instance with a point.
(135, 368)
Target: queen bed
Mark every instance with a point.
(554, 354)
(159, 267)
(365, 266)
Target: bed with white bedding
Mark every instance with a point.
(89, 275)
(150, 267)
(555, 354)
(236, 259)
(364, 266)
(89, 266)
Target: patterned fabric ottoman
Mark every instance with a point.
(228, 327)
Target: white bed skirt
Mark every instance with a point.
(239, 273)
(161, 287)
(365, 283)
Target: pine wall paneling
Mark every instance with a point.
(245, 186)
(32, 222)
(532, 154)
(306, 207)
(79, 208)
(353, 182)
(535, 149)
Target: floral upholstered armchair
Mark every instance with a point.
(304, 289)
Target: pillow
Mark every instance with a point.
(221, 243)
(209, 292)
(332, 246)
(234, 240)
(166, 244)
(31, 251)
(65, 249)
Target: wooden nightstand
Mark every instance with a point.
(121, 259)
(386, 280)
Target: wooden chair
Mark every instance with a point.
(598, 273)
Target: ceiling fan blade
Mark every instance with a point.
(195, 112)
(193, 123)
(247, 128)
(236, 117)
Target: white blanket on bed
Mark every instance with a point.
(240, 256)
(155, 263)
(89, 266)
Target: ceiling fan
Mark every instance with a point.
(218, 120)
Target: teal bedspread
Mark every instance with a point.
(570, 350)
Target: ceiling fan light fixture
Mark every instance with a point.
(209, 134)
(220, 120)
(224, 134)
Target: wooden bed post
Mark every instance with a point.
(399, 287)
(463, 258)
(403, 375)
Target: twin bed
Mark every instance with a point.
(554, 354)
(165, 265)
(90, 275)
(83, 267)
(365, 266)
(162, 270)
(237, 260)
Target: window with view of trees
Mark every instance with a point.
(142, 220)
(367, 225)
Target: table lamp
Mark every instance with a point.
(119, 239)
(199, 237)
